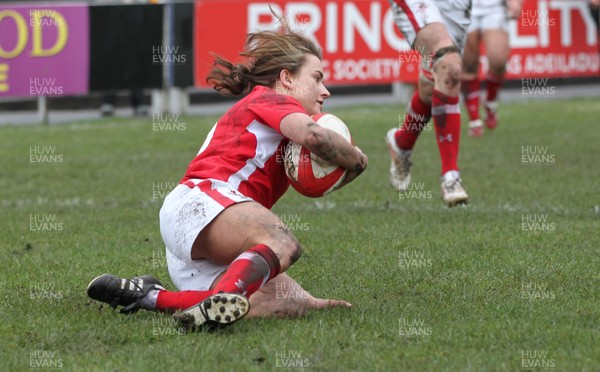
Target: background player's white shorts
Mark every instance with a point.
(489, 18)
(187, 209)
(412, 15)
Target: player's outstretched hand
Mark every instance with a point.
(322, 303)
(283, 297)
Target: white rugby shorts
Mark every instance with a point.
(489, 17)
(412, 15)
(186, 210)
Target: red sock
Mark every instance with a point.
(249, 271)
(173, 301)
(446, 119)
(417, 116)
(493, 83)
(246, 274)
(470, 90)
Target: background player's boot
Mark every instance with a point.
(215, 312)
(491, 110)
(400, 165)
(117, 291)
(453, 192)
(475, 128)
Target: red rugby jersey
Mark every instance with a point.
(245, 147)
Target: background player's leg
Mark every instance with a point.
(497, 50)
(417, 116)
(471, 85)
(445, 109)
(401, 141)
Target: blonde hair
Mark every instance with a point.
(265, 54)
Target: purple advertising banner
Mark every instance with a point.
(44, 50)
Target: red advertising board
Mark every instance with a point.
(553, 39)
(361, 44)
(359, 39)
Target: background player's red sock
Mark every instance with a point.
(493, 83)
(470, 90)
(446, 119)
(249, 271)
(417, 116)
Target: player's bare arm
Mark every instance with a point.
(323, 142)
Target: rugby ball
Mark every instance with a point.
(309, 174)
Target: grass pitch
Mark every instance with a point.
(509, 282)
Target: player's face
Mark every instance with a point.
(308, 86)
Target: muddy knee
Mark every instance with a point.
(291, 253)
(287, 248)
(498, 69)
(295, 251)
(447, 66)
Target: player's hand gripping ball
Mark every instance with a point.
(309, 174)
